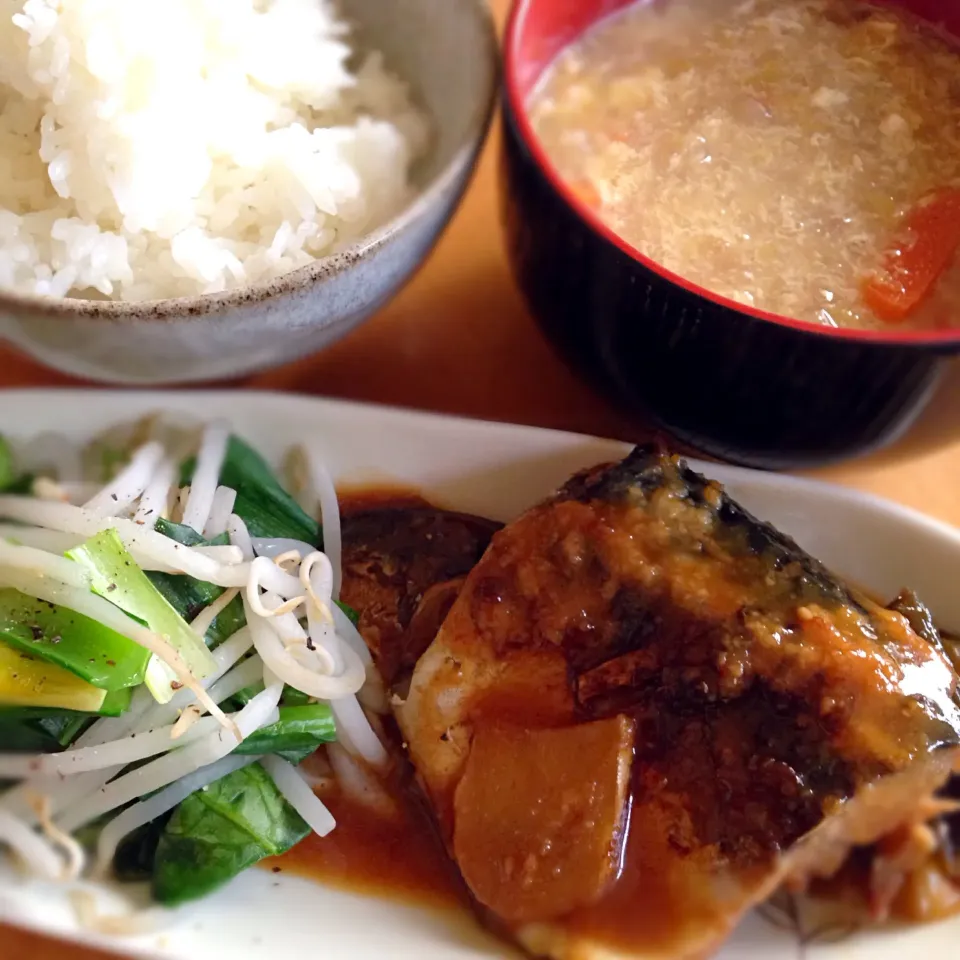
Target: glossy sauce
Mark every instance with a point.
(400, 859)
(355, 499)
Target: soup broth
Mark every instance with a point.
(798, 156)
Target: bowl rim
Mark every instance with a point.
(518, 114)
(182, 309)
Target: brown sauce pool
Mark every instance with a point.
(399, 859)
(355, 499)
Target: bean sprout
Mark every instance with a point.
(75, 856)
(153, 503)
(272, 547)
(29, 561)
(223, 502)
(298, 794)
(239, 536)
(355, 733)
(38, 855)
(135, 537)
(260, 711)
(213, 450)
(278, 659)
(330, 521)
(128, 485)
(130, 749)
(265, 573)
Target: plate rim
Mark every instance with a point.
(912, 520)
(767, 478)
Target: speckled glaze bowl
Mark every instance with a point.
(447, 50)
(735, 382)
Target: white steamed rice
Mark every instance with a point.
(160, 148)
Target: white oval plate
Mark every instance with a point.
(494, 470)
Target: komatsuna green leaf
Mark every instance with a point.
(187, 535)
(22, 730)
(26, 737)
(66, 727)
(22, 485)
(50, 729)
(137, 853)
(262, 503)
(292, 697)
(218, 832)
(298, 732)
(92, 651)
(189, 596)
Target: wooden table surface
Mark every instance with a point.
(458, 340)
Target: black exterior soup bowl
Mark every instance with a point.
(737, 383)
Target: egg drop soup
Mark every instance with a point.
(798, 156)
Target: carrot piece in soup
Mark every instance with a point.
(920, 254)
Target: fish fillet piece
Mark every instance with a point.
(776, 717)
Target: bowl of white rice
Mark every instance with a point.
(198, 189)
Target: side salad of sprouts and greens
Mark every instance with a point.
(172, 647)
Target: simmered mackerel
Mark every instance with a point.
(402, 568)
(769, 716)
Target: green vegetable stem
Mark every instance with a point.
(117, 578)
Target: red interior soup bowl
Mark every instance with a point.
(734, 381)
